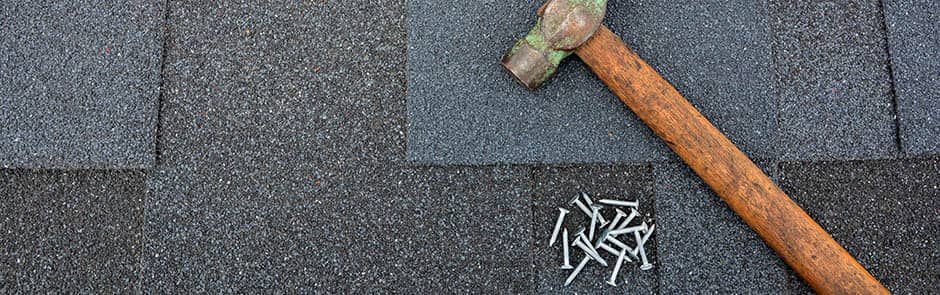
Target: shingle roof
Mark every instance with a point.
(282, 160)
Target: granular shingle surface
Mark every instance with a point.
(8, 221)
(7, 281)
(77, 232)
(915, 59)
(79, 83)
(463, 108)
(426, 230)
(885, 213)
(834, 86)
(703, 245)
(275, 118)
(284, 168)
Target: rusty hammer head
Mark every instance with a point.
(562, 27)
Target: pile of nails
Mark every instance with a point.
(616, 236)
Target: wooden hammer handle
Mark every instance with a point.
(783, 225)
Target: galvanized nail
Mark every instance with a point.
(587, 199)
(577, 270)
(620, 203)
(577, 202)
(634, 252)
(564, 246)
(639, 241)
(613, 276)
(595, 212)
(620, 215)
(649, 232)
(613, 251)
(642, 227)
(561, 218)
(610, 227)
(609, 249)
(626, 221)
(580, 242)
(600, 239)
(616, 242)
(621, 245)
(588, 202)
(603, 235)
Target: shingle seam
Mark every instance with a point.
(895, 103)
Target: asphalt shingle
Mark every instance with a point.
(7, 281)
(77, 232)
(885, 213)
(429, 229)
(833, 81)
(7, 221)
(704, 246)
(243, 230)
(915, 59)
(79, 83)
(284, 166)
(463, 108)
(274, 116)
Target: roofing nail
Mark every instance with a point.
(620, 215)
(634, 204)
(577, 270)
(642, 241)
(577, 202)
(621, 245)
(579, 233)
(594, 214)
(561, 218)
(587, 200)
(616, 242)
(613, 251)
(600, 239)
(634, 252)
(639, 241)
(609, 249)
(606, 232)
(626, 222)
(642, 227)
(649, 232)
(646, 236)
(613, 276)
(580, 243)
(564, 246)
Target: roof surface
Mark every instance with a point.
(79, 83)
(284, 159)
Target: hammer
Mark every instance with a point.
(575, 26)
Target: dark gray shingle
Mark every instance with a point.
(76, 231)
(79, 83)
(275, 119)
(834, 88)
(915, 59)
(442, 229)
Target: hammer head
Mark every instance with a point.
(562, 27)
